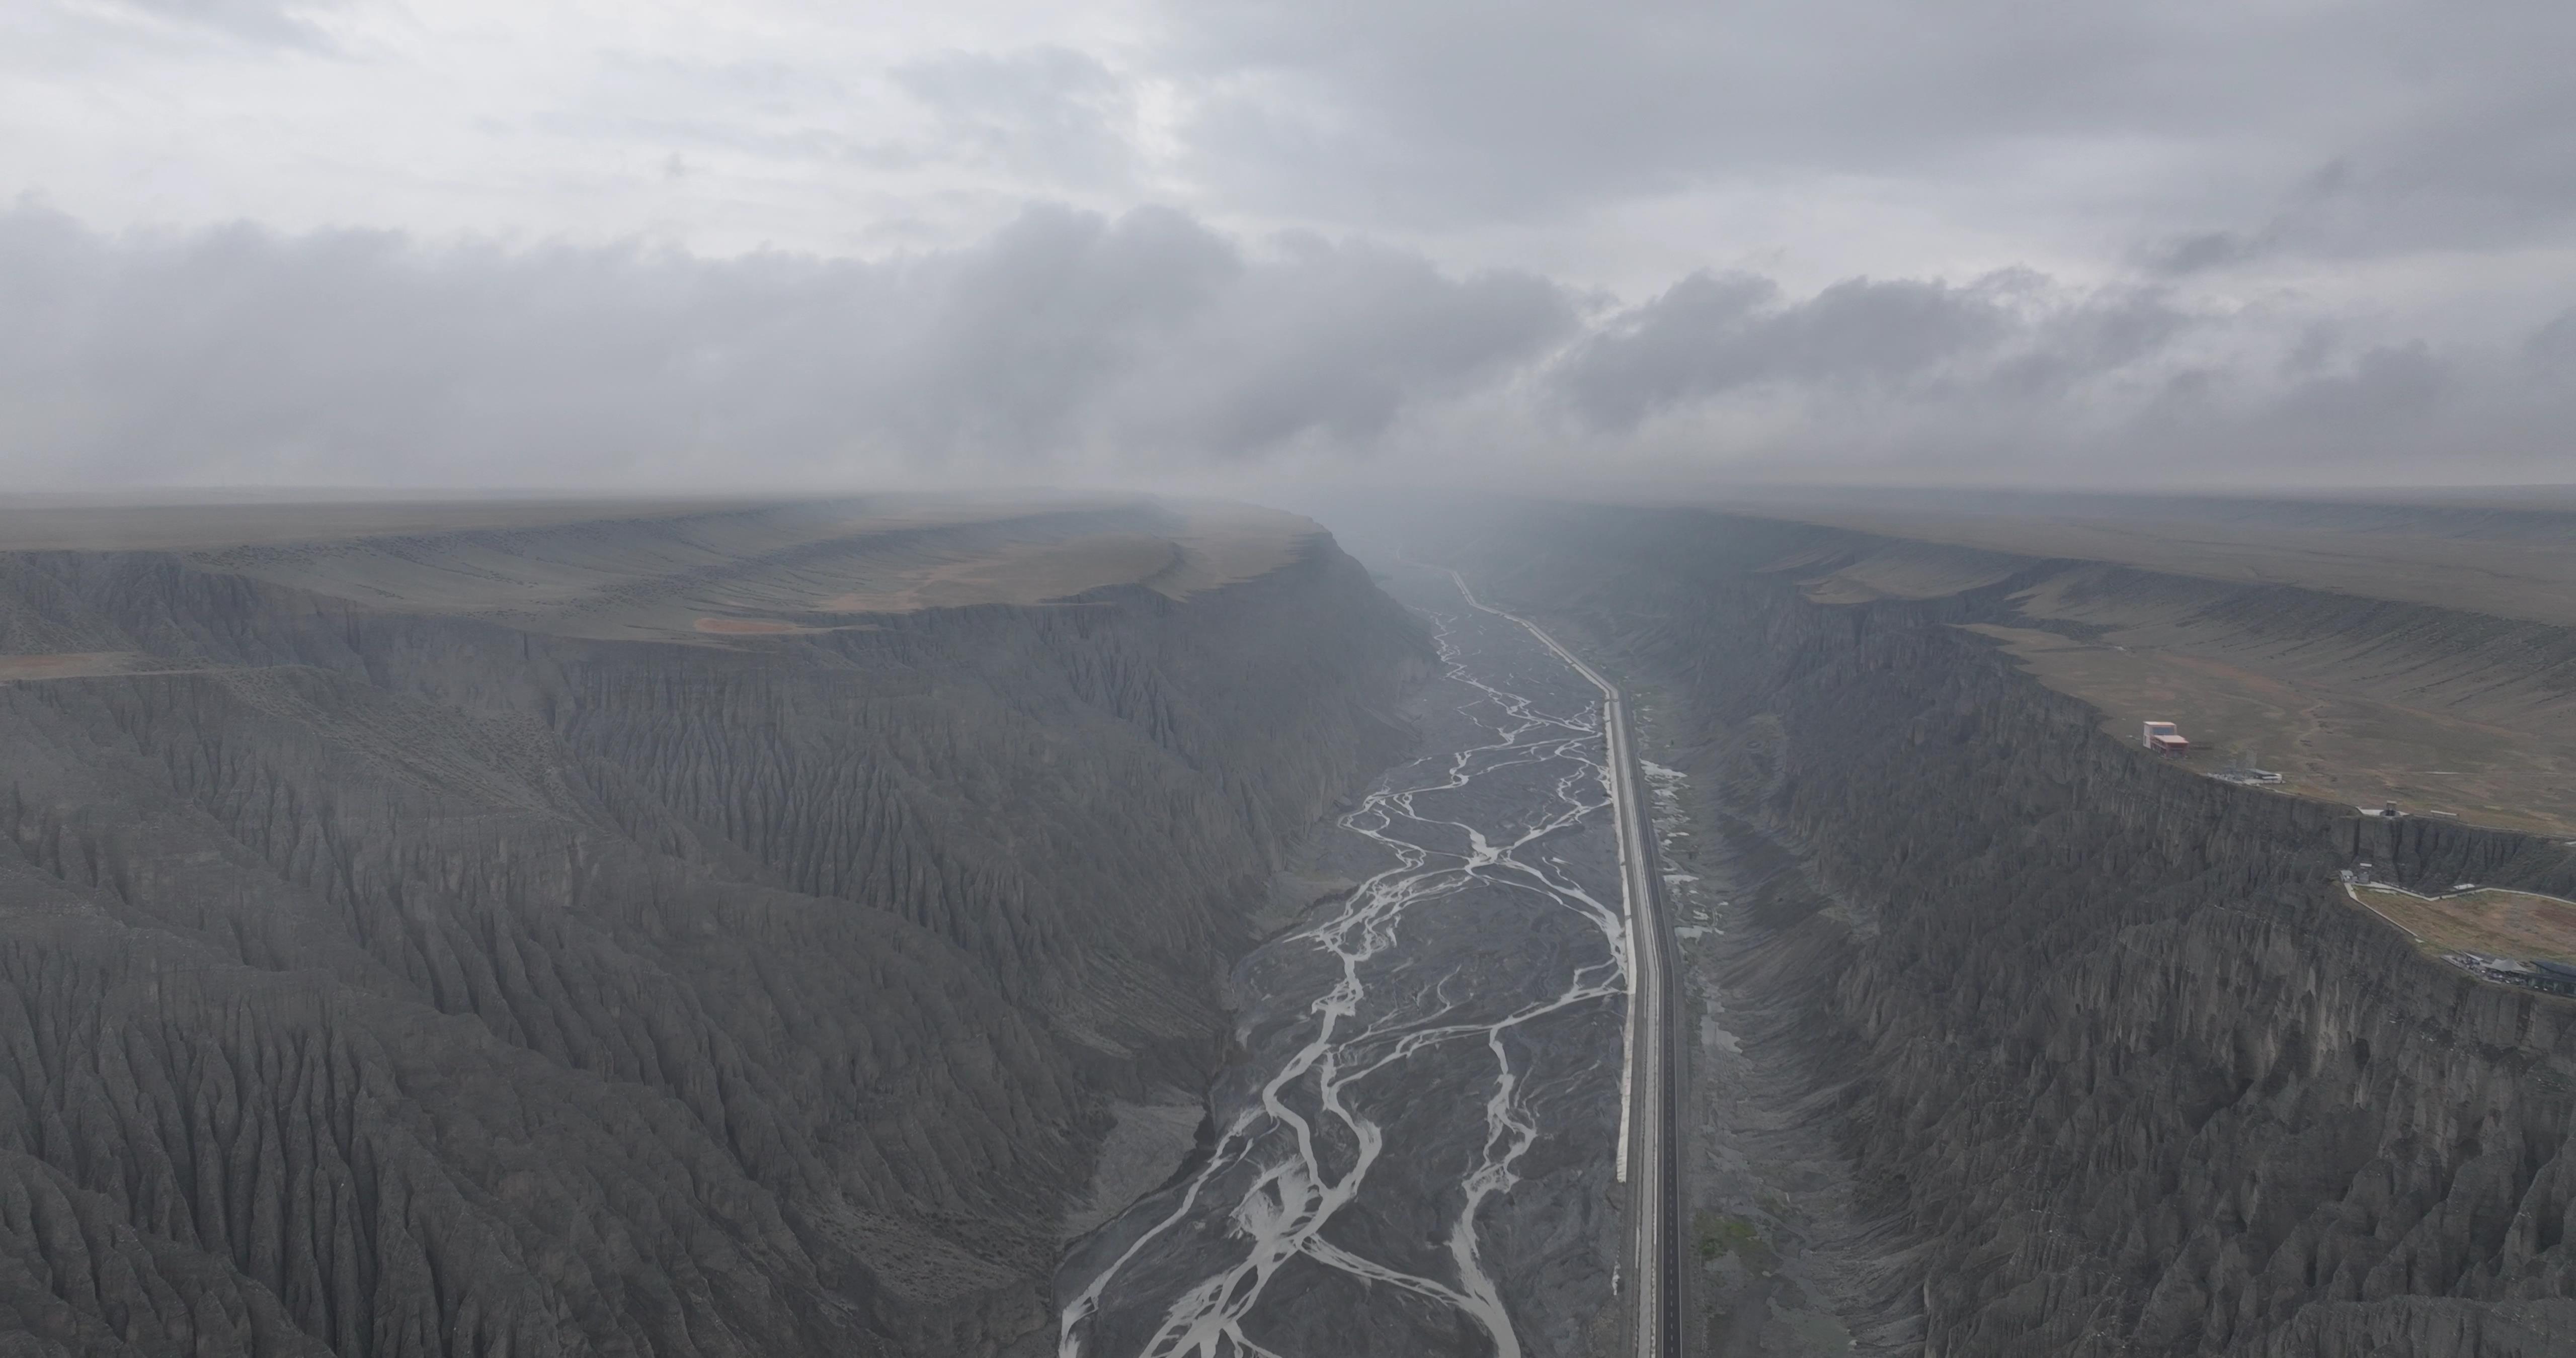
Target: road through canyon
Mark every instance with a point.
(1414, 1151)
(1652, 1139)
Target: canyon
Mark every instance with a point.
(1413, 1147)
(2016, 1038)
(629, 929)
(1104, 926)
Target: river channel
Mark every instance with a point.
(1412, 1154)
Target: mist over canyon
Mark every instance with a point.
(942, 926)
(1141, 679)
(543, 938)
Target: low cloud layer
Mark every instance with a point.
(1073, 346)
(515, 241)
(1064, 344)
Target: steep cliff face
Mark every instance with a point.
(393, 981)
(2106, 1040)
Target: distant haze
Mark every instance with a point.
(760, 246)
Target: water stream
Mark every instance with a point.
(1413, 1157)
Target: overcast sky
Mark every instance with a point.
(512, 242)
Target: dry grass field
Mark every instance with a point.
(2497, 923)
(2336, 745)
(712, 573)
(2147, 614)
(1210, 545)
(65, 665)
(103, 524)
(1012, 573)
(2531, 577)
(85, 665)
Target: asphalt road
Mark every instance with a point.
(1655, 1137)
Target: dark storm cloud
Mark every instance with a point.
(1064, 338)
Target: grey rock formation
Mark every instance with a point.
(401, 980)
(2115, 1067)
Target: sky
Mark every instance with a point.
(771, 245)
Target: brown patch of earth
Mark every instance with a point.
(748, 626)
(102, 523)
(69, 664)
(2327, 743)
(2513, 579)
(1021, 573)
(1217, 545)
(660, 571)
(2495, 922)
(1907, 570)
(1224, 544)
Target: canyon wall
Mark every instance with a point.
(399, 980)
(2118, 1067)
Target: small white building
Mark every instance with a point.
(2164, 737)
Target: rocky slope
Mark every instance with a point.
(394, 979)
(2114, 1065)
